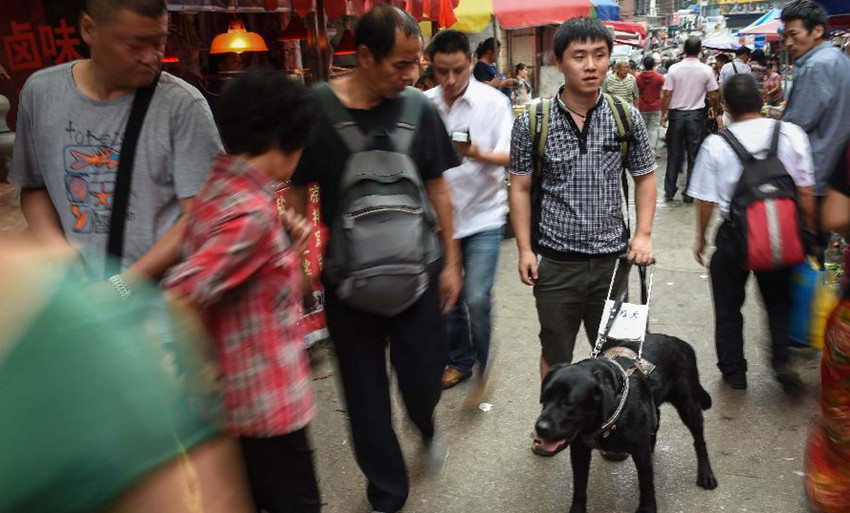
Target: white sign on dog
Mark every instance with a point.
(630, 324)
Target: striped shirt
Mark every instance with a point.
(626, 89)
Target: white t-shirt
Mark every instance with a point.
(479, 195)
(718, 169)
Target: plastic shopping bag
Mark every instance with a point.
(812, 299)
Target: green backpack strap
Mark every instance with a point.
(623, 118)
(539, 125)
(341, 119)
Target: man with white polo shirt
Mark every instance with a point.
(683, 101)
(716, 175)
(479, 119)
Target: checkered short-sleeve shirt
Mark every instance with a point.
(582, 202)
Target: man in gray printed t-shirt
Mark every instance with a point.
(70, 130)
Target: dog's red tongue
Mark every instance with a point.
(552, 446)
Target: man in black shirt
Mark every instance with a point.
(388, 48)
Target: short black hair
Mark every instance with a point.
(488, 45)
(519, 67)
(743, 50)
(377, 29)
(810, 13)
(105, 10)
(581, 30)
(632, 64)
(262, 109)
(759, 57)
(741, 94)
(693, 46)
(448, 41)
(648, 63)
(722, 57)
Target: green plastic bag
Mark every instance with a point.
(95, 393)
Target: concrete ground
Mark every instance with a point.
(755, 437)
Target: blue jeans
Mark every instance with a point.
(469, 320)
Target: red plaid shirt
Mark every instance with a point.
(241, 268)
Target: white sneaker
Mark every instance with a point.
(435, 453)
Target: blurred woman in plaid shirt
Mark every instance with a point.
(241, 271)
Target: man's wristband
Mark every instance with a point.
(121, 286)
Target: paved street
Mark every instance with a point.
(755, 437)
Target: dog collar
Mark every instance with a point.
(611, 424)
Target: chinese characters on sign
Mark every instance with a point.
(25, 51)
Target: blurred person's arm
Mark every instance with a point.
(835, 213)
(225, 261)
(646, 193)
(666, 97)
(43, 220)
(714, 100)
(521, 168)
(813, 94)
(520, 208)
(500, 123)
(450, 278)
(165, 252)
(808, 206)
(642, 164)
(704, 211)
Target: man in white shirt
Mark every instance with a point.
(738, 66)
(683, 100)
(716, 175)
(479, 118)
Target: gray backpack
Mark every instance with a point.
(384, 234)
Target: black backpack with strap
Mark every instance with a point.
(764, 215)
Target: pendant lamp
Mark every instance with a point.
(295, 31)
(346, 44)
(238, 40)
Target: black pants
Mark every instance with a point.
(281, 473)
(728, 283)
(686, 126)
(418, 342)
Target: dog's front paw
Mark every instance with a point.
(707, 480)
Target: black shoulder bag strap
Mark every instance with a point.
(121, 195)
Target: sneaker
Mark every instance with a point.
(435, 453)
(790, 381)
(453, 376)
(687, 199)
(736, 380)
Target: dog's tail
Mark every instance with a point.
(704, 398)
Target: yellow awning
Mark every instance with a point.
(473, 15)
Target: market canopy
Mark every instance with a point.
(473, 15)
(439, 11)
(724, 44)
(627, 27)
(516, 14)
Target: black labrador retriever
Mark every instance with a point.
(581, 401)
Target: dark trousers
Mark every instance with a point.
(688, 127)
(568, 293)
(418, 343)
(728, 283)
(281, 473)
